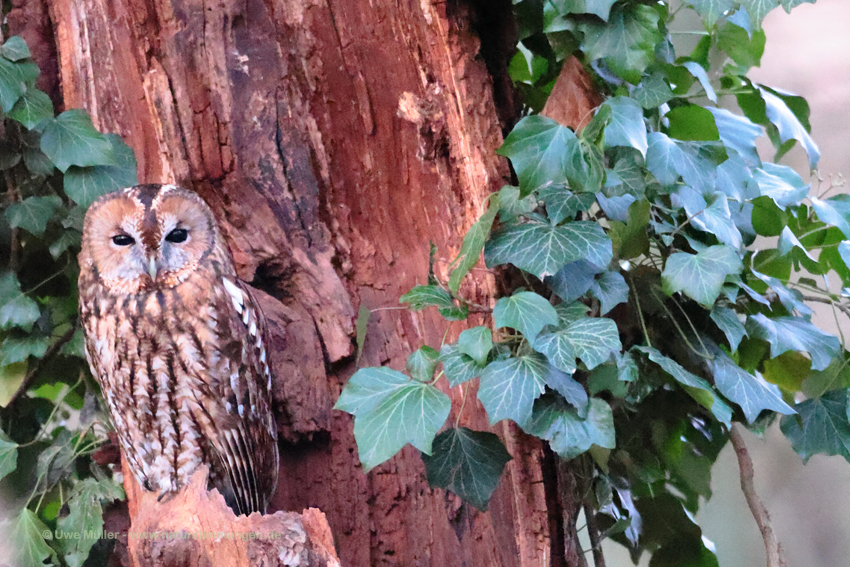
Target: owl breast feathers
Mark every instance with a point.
(177, 344)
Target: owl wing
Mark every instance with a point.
(246, 441)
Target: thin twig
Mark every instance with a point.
(775, 553)
(841, 307)
(51, 351)
(593, 534)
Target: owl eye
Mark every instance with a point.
(123, 240)
(177, 235)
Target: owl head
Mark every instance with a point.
(147, 237)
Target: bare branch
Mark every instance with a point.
(593, 534)
(775, 553)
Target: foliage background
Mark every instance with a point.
(808, 53)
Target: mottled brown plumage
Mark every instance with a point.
(177, 344)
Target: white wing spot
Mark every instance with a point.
(253, 328)
(241, 409)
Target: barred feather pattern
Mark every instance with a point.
(180, 356)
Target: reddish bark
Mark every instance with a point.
(334, 141)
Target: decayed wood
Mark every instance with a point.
(195, 528)
(334, 141)
(573, 98)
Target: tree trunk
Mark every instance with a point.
(334, 140)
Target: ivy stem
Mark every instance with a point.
(462, 404)
(56, 407)
(36, 368)
(691, 324)
(705, 354)
(640, 312)
(775, 553)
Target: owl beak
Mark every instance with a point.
(152, 268)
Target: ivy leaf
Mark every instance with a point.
(508, 388)
(626, 42)
(733, 175)
(573, 280)
(834, 211)
(367, 388)
(86, 516)
(539, 149)
(422, 296)
(542, 249)
(729, 323)
(70, 139)
(33, 107)
(15, 49)
(820, 427)
(788, 124)
(797, 334)
(526, 312)
(8, 455)
(561, 203)
(32, 550)
(19, 349)
(667, 159)
(16, 309)
(713, 217)
(653, 91)
(12, 83)
(738, 133)
(85, 184)
(750, 392)
(33, 213)
(568, 434)
(592, 339)
(473, 244)
(476, 343)
(569, 312)
(512, 206)
(406, 412)
(611, 289)
(758, 9)
(788, 241)
(711, 10)
(457, 366)
(780, 183)
(700, 276)
(705, 395)
(601, 8)
(568, 387)
(626, 127)
(467, 462)
(698, 72)
(422, 362)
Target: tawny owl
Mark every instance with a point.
(177, 344)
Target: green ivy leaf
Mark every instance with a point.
(611, 289)
(422, 296)
(789, 125)
(569, 312)
(820, 427)
(653, 91)
(758, 9)
(33, 107)
(593, 340)
(705, 394)
(476, 343)
(711, 10)
(86, 516)
(697, 71)
(16, 309)
(626, 127)
(19, 349)
(744, 46)
(457, 366)
(539, 149)
(700, 276)
(508, 388)
(15, 49)
(28, 532)
(738, 133)
(750, 392)
(626, 42)
(692, 122)
(391, 411)
(667, 159)
(629, 239)
(33, 213)
(473, 244)
(422, 362)
(467, 462)
(561, 203)
(797, 334)
(834, 211)
(780, 183)
(8, 455)
(568, 434)
(70, 139)
(713, 217)
(85, 184)
(526, 311)
(729, 323)
(542, 249)
(12, 83)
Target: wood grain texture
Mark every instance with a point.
(334, 141)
